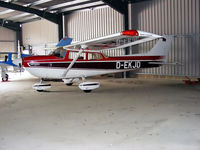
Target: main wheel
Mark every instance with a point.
(69, 84)
(5, 78)
(40, 90)
(87, 91)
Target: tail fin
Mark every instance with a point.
(162, 47)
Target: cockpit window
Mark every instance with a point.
(94, 56)
(59, 52)
(82, 56)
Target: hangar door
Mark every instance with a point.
(7, 40)
(179, 18)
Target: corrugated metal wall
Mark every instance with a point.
(7, 40)
(88, 24)
(173, 17)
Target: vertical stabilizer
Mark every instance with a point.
(162, 47)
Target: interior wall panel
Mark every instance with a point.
(7, 40)
(39, 32)
(84, 25)
(179, 18)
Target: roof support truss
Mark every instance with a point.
(10, 25)
(117, 5)
(49, 16)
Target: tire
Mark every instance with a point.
(87, 91)
(40, 90)
(69, 84)
(6, 78)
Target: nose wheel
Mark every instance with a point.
(70, 82)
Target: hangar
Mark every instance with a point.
(147, 109)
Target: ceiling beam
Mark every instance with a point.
(15, 26)
(26, 5)
(49, 16)
(137, 1)
(117, 5)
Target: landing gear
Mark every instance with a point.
(87, 87)
(70, 82)
(87, 91)
(5, 77)
(41, 87)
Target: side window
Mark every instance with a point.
(72, 55)
(94, 56)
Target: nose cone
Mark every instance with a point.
(17, 61)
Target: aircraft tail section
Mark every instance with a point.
(162, 47)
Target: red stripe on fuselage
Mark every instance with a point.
(51, 58)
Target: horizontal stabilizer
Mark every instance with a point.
(165, 63)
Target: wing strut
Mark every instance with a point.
(72, 63)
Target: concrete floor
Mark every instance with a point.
(140, 114)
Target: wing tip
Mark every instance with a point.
(130, 33)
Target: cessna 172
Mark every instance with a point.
(85, 59)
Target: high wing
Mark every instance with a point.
(115, 41)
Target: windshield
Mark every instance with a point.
(59, 52)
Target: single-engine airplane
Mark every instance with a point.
(85, 59)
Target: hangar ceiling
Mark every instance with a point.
(23, 11)
(13, 13)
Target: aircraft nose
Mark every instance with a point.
(17, 61)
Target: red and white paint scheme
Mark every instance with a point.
(84, 59)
